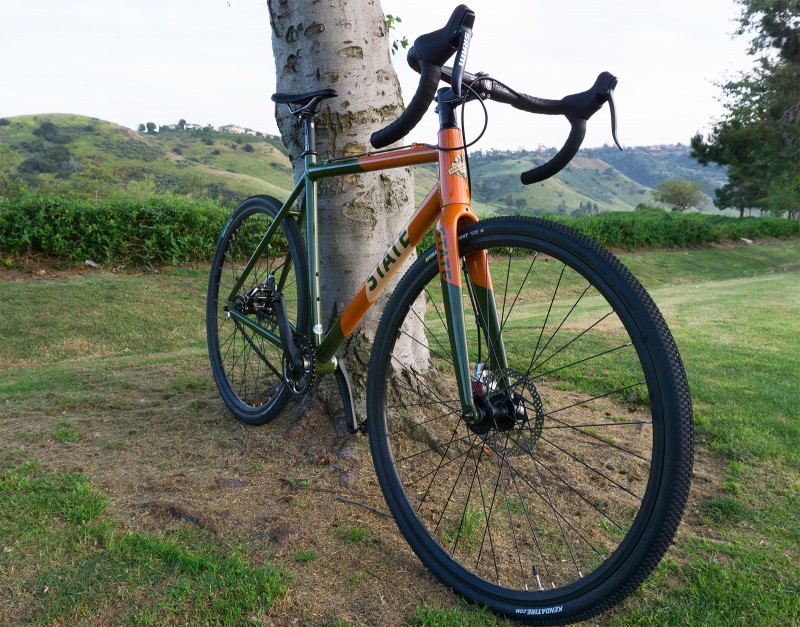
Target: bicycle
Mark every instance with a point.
(527, 409)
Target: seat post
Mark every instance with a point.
(309, 134)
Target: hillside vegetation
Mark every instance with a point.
(90, 158)
(75, 155)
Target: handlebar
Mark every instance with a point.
(577, 108)
(428, 55)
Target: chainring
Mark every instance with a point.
(300, 385)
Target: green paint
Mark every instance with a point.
(333, 340)
(487, 309)
(336, 168)
(256, 328)
(265, 241)
(456, 330)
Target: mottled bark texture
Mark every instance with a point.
(343, 44)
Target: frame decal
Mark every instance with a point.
(388, 267)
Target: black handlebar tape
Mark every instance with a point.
(562, 158)
(426, 56)
(417, 108)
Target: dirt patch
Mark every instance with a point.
(33, 270)
(159, 443)
(287, 489)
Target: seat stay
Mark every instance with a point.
(284, 210)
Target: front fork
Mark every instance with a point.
(485, 309)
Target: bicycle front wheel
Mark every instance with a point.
(248, 368)
(565, 496)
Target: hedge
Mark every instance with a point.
(163, 229)
(662, 229)
(169, 229)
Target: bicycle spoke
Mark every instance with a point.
(247, 367)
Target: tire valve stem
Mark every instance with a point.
(536, 574)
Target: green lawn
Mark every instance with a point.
(76, 343)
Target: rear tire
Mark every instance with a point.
(247, 368)
(557, 509)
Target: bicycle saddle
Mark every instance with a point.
(303, 100)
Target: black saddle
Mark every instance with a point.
(306, 101)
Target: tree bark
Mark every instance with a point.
(343, 44)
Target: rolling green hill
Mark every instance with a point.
(61, 153)
(92, 158)
(605, 177)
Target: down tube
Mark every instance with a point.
(387, 267)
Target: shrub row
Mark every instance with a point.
(662, 229)
(666, 229)
(172, 230)
(120, 230)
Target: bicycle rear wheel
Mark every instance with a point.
(248, 369)
(562, 501)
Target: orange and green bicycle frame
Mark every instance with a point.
(445, 208)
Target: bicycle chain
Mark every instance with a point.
(305, 384)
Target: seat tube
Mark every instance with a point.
(312, 233)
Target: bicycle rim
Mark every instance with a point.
(248, 368)
(560, 505)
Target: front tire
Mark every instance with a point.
(560, 509)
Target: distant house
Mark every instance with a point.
(233, 128)
(193, 127)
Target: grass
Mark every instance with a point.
(464, 616)
(71, 564)
(465, 531)
(735, 313)
(97, 317)
(353, 534)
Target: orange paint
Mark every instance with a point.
(456, 209)
(391, 262)
(478, 269)
(415, 155)
(453, 168)
(449, 199)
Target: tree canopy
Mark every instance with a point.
(759, 137)
(680, 193)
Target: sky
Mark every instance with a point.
(210, 62)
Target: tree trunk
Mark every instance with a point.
(343, 44)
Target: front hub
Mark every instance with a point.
(518, 407)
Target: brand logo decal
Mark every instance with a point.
(459, 167)
(444, 260)
(388, 266)
(539, 611)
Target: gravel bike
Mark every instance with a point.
(527, 409)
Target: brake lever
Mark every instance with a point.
(612, 107)
(464, 37)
